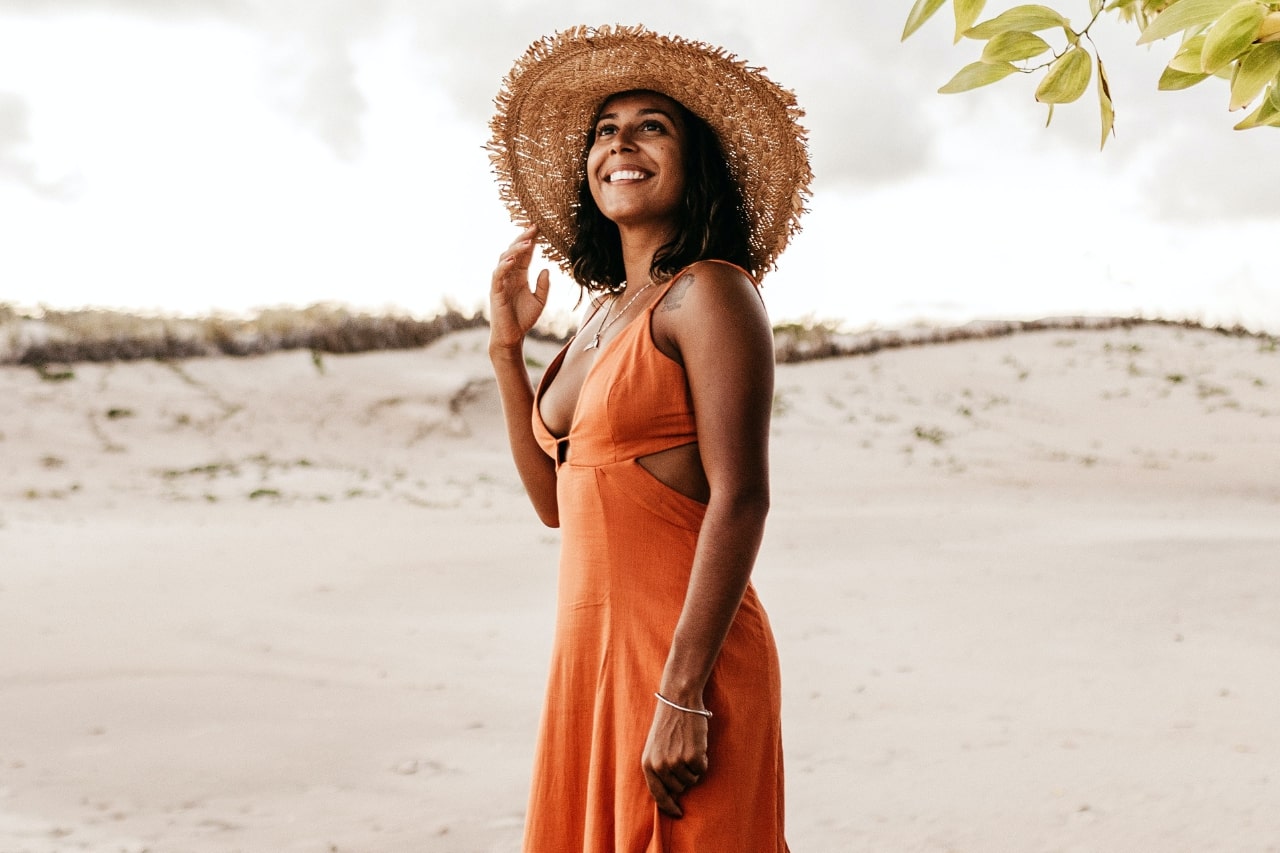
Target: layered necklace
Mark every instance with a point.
(606, 322)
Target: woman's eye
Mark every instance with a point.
(606, 130)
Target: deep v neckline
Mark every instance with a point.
(602, 353)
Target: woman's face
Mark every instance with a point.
(635, 167)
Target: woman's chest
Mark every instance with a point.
(559, 398)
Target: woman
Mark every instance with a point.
(666, 177)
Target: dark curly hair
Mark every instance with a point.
(710, 224)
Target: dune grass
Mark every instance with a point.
(51, 338)
(795, 342)
(96, 335)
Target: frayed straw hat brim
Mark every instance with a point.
(549, 99)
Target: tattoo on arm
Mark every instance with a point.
(677, 292)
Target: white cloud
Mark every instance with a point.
(18, 163)
(240, 152)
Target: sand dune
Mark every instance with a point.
(1025, 592)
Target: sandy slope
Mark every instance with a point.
(1026, 593)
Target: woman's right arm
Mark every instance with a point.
(513, 309)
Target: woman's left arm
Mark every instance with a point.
(714, 316)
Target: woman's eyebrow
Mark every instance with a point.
(645, 112)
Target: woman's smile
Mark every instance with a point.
(639, 142)
(625, 175)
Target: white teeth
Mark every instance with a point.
(627, 176)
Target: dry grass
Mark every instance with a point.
(795, 342)
(93, 335)
(52, 337)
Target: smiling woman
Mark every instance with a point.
(666, 177)
(710, 220)
(635, 160)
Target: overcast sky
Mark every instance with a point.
(198, 155)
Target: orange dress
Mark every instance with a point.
(628, 547)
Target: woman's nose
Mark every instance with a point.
(621, 141)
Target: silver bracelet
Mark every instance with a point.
(665, 701)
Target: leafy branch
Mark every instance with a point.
(1236, 40)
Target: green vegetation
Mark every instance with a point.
(211, 470)
(933, 435)
(1236, 40)
(52, 375)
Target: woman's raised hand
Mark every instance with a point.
(513, 307)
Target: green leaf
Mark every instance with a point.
(967, 11)
(1013, 46)
(1270, 29)
(1182, 15)
(1026, 18)
(1067, 79)
(1273, 94)
(1104, 103)
(1231, 36)
(1187, 59)
(1172, 80)
(1095, 6)
(1266, 115)
(921, 12)
(1258, 68)
(1049, 118)
(977, 74)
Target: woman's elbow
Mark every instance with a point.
(544, 502)
(748, 501)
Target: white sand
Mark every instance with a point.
(1026, 591)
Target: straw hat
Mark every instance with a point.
(549, 100)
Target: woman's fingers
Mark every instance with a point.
(523, 244)
(514, 254)
(668, 783)
(675, 757)
(514, 308)
(662, 796)
(666, 786)
(685, 777)
(517, 256)
(542, 286)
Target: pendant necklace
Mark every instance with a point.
(606, 322)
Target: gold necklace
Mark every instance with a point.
(606, 322)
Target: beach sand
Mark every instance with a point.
(1025, 589)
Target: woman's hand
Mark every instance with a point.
(513, 308)
(675, 756)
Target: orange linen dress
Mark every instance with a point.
(628, 547)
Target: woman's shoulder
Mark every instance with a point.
(704, 297)
(710, 282)
(715, 269)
